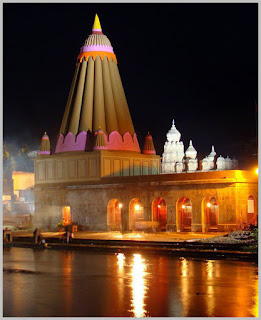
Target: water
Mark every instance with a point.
(82, 283)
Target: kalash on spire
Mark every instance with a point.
(97, 101)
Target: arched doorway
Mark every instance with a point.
(136, 213)
(67, 219)
(251, 216)
(159, 212)
(184, 209)
(211, 214)
(114, 215)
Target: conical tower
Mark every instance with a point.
(97, 99)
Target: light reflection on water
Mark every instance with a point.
(184, 286)
(136, 285)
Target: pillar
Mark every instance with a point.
(196, 223)
(125, 216)
(171, 216)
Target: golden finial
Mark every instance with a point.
(96, 24)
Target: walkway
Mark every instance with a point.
(135, 236)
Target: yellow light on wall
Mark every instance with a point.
(208, 204)
(256, 170)
(183, 206)
(158, 205)
(137, 207)
(120, 205)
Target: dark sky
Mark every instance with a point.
(196, 63)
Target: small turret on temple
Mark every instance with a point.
(148, 145)
(174, 160)
(45, 147)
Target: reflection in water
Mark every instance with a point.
(121, 259)
(85, 284)
(184, 267)
(67, 280)
(255, 298)
(210, 301)
(184, 282)
(210, 267)
(138, 286)
(121, 262)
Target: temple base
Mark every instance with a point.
(83, 166)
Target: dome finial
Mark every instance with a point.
(173, 122)
(190, 142)
(96, 24)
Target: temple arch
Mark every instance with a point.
(210, 210)
(136, 213)
(159, 213)
(114, 215)
(184, 214)
(251, 210)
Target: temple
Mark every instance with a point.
(97, 101)
(175, 160)
(98, 178)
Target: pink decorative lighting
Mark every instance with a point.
(115, 141)
(96, 48)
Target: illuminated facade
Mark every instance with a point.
(99, 179)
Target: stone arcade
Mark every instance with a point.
(99, 179)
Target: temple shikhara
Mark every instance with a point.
(100, 178)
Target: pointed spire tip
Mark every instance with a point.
(96, 24)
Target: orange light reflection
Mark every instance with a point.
(139, 287)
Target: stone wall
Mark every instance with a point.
(88, 201)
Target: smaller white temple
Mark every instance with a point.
(174, 160)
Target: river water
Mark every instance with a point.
(79, 283)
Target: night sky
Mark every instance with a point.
(196, 63)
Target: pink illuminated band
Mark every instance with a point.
(97, 48)
(97, 30)
(44, 152)
(45, 138)
(115, 141)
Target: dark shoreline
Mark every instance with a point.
(180, 249)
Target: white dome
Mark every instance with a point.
(173, 134)
(220, 158)
(191, 151)
(212, 153)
